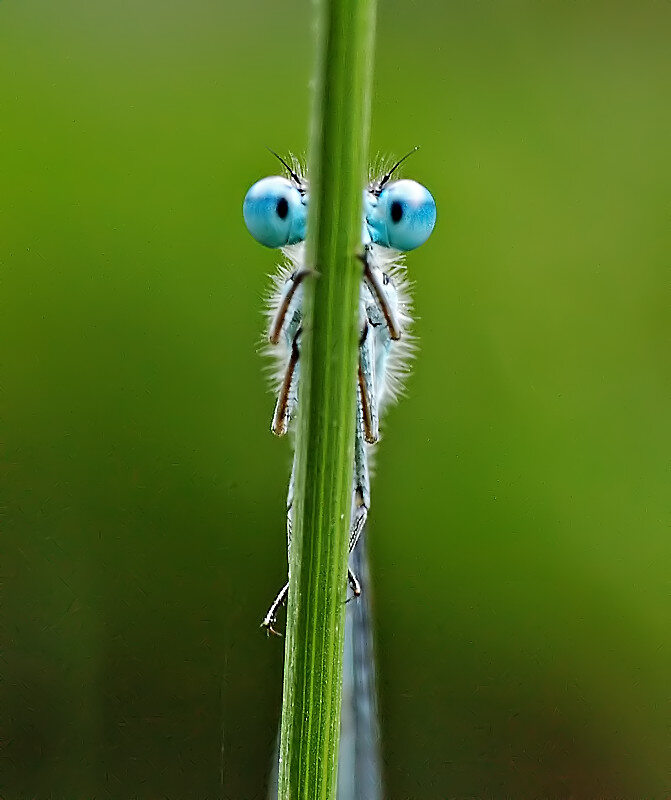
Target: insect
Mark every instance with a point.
(398, 216)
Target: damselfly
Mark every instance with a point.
(398, 216)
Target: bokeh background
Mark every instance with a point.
(520, 529)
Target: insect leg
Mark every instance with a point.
(286, 399)
(361, 493)
(353, 582)
(367, 396)
(374, 283)
(288, 292)
(271, 616)
(361, 501)
(359, 516)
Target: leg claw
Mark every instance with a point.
(267, 625)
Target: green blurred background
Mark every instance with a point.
(521, 507)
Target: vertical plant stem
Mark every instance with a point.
(325, 439)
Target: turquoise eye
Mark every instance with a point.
(402, 217)
(275, 212)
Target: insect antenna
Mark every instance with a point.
(295, 177)
(383, 180)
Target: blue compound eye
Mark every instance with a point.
(402, 217)
(275, 212)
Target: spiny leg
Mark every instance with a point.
(377, 290)
(366, 382)
(271, 617)
(288, 292)
(361, 493)
(354, 583)
(284, 404)
(359, 515)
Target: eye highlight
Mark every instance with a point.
(402, 217)
(275, 212)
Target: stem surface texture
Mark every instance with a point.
(327, 391)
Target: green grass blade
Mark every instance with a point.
(315, 617)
